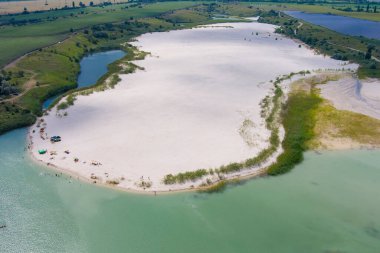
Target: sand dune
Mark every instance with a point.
(361, 96)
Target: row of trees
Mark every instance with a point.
(359, 8)
(73, 5)
(367, 9)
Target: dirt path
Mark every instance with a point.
(298, 27)
(15, 61)
(28, 85)
(31, 83)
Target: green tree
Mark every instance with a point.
(368, 54)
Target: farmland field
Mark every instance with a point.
(18, 40)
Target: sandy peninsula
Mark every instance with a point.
(188, 109)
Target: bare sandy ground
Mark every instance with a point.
(184, 112)
(349, 93)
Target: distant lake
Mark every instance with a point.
(341, 24)
(92, 67)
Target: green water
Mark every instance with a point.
(330, 203)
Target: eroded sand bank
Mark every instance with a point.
(184, 112)
(349, 93)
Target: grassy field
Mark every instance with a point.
(333, 124)
(298, 121)
(7, 7)
(18, 40)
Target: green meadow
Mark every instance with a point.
(18, 40)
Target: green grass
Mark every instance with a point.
(181, 178)
(107, 81)
(18, 40)
(56, 75)
(12, 48)
(215, 188)
(335, 124)
(185, 16)
(299, 122)
(12, 116)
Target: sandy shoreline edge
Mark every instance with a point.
(239, 178)
(242, 175)
(75, 176)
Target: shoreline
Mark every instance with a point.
(76, 176)
(185, 187)
(134, 186)
(261, 173)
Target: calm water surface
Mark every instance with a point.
(92, 68)
(341, 24)
(330, 203)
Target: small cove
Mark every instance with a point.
(92, 68)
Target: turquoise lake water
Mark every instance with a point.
(92, 68)
(341, 24)
(330, 203)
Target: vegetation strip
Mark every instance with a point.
(298, 122)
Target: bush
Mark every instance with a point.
(100, 35)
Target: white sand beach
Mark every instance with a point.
(184, 112)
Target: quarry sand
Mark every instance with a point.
(183, 112)
(349, 93)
